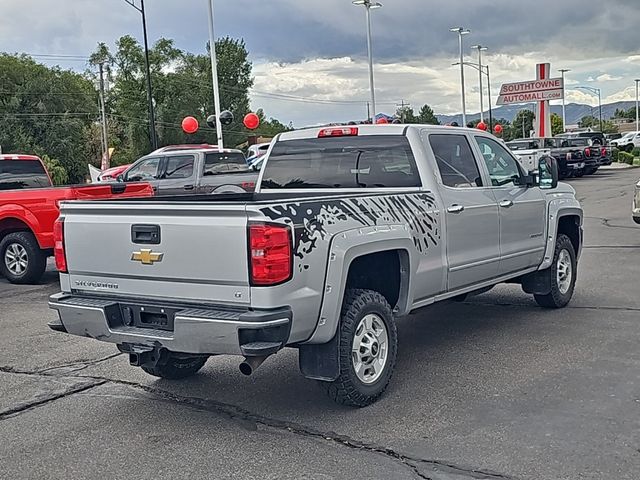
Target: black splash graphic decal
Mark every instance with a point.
(314, 221)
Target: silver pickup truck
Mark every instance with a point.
(350, 228)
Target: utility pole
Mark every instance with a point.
(153, 136)
(461, 32)
(402, 105)
(480, 49)
(368, 110)
(105, 139)
(214, 76)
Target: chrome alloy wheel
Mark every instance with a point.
(16, 259)
(564, 272)
(370, 348)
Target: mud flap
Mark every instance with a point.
(320, 362)
(537, 283)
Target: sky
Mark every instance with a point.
(309, 56)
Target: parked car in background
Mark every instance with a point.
(29, 206)
(612, 136)
(258, 150)
(193, 169)
(597, 138)
(628, 141)
(351, 229)
(636, 204)
(575, 156)
(112, 174)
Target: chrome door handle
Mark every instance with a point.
(506, 203)
(455, 209)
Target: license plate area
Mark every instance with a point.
(148, 316)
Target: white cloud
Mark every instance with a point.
(605, 77)
(626, 95)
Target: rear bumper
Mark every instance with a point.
(207, 330)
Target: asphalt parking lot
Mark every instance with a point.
(493, 388)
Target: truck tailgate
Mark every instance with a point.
(200, 252)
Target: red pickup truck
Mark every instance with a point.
(29, 206)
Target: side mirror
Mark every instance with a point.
(120, 178)
(548, 173)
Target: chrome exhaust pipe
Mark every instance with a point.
(251, 364)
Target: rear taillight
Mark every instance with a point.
(270, 254)
(58, 246)
(248, 185)
(587, 152)
(338, 132)
(603, 152)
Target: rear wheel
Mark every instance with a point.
(177, 366)
(368, 346)
(591, 171)
(563, 274)
(21, 259)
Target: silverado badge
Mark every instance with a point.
(146, 256)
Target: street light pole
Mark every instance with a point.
(480, 49)
(598, 92)
(564, 113)
(489, 93)
(152, 114)
(461, 32)
(637, 112)
(369, 5)
(214, 76)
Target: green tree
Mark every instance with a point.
(557, 126)
(523, 124)
(271, 127)
(427, 117)
(592, 122)
(181, 87)
(406, 115)
(46, 111)
(56, 171)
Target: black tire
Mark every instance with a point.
(36, 259)
(579, 173)
(591, 171)
(348, 389)
(177, 367)
(556, 298)
(629, 148)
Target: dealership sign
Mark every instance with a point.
(532, 91)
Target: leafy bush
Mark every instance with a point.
(635, 152)
(624, 157)
(614, 154)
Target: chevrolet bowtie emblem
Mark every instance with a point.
(146, 257)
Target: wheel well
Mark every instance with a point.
(570, 226)
(11, 225)
(384, 272)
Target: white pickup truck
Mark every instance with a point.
(350, 228)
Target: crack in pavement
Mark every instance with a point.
(607, 223)
(236, 413)
(568, 307)
(82, 364)
(611, 246)
(39, 400)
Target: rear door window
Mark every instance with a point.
(179, 167)
(19, 174)
(457, 165)
(372, 161)
(224, 163)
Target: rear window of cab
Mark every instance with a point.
(371, 161)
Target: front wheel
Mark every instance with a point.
(21, 259)
(563, 273)
(177, 366)
(368, 346)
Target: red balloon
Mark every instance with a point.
(251, 121)
(498, 128)
(382, 121)
(482, 126)
(190, 125)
